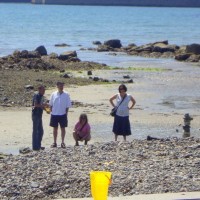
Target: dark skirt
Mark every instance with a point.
(121, 126)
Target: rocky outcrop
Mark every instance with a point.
(193, 49)
(160, 49)
(25, 60)
(25, 70)
(15, 1)
(109, 45)
(26, 54)
(36, 60)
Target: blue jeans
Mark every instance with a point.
(37, 132)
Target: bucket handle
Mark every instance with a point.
(110, 179)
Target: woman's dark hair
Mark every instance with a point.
(83, 116)
(123, 86)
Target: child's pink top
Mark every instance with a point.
(85, 130)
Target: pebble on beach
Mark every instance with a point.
(138, 167)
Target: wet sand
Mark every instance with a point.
(162, 96)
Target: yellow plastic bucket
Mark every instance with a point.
(100, 181)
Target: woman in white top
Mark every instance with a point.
(121, 124)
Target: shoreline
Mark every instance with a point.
(159, 110)
(145, 119)
(163, 92)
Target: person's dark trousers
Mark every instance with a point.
(37, 132)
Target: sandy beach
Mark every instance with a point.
(162, 96)
(164, 93)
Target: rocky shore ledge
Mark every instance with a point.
(22, 71)
(138, 167)
(160, 49)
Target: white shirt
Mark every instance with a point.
(59, 102)
(123, 109)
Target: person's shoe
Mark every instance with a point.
(54, 145)
(63, 145)
(42, 148)
(36, 149)
(77, 144)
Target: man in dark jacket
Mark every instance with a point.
(37, 111)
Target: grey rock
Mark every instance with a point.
(182, 57)
(66, 76)
(29, 87)
(67, 55)
(89, 73)
(126, 76)
(193, 48)
(62, 45)
(34, 185)
(96, 42)
(115, 43)
(96, 78)
(41, 50)
(24, 150)
(53, 56)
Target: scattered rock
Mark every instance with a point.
(62, 45)
(41, 50)
(126, 76)
(24, 150)
(89, 73)
(115, 43)
(132, 45)
(128, 81)
(4, 99)
(66, 76)
(67, 55)
(112, 54)
(96, 42)
(96, 78)
(29, 87)
(3, 155)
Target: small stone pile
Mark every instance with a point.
(138, 167)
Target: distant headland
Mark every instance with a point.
(15, 1)
(148, 3)
(145, 3)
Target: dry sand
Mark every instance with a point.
(156, 112)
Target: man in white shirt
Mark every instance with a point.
(60, 103)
